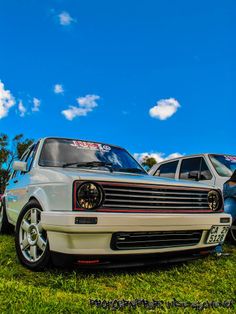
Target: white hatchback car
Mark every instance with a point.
(212, 169)
(93, 204)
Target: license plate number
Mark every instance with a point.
(217, 234)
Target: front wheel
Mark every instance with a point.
(31, 241)
(232, 233)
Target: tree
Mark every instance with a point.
(148, 162)
(10, 151)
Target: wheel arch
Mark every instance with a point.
(41, 197)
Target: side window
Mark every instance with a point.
(195, 169)
(167, 170)
(205, 172)
(30, 157)
(190, 168)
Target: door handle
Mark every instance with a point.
(16, 181)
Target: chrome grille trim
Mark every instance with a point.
(126, 196)
(154, 196)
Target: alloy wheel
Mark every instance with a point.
(32, 237)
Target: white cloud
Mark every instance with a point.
(58, 89)
(158, 156)
(164, 108)
(73, 112)
(36, 104)
(22, 109)
(89, 101)
(86, 105)
(65, 18)
(7, 101)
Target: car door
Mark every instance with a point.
(196, 169)
(17, 188)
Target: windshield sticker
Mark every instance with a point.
(91, 146)
(230, 158)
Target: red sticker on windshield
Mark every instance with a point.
(230, 158)
(91, 146)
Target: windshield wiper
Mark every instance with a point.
(133, 170)
(90, 164)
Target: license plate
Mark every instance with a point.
(217, 234)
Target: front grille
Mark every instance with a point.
(153, 198)
(154, 240)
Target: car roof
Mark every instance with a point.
(190, 156)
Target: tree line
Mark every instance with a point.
(10, 150)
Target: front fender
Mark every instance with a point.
(41, 197)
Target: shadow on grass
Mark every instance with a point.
(11, 267)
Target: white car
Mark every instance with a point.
(212, 169)
(93, 204)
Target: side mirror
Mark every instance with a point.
(193, 175)
(19, 165)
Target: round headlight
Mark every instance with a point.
(89, 195)
(214, 200)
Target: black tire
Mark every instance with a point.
(5, 226)
(26, 258)
(232, 234)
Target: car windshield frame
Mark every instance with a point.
(230, 171)
(134, 161)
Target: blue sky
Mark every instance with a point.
(113, 62)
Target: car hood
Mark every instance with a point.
(76, 174)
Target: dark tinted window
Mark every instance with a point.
(194, 169)
(167, 170)
(205, 172)
(61, 152)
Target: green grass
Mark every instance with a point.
(61, 291)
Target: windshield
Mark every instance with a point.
(72, 153)
(224, 164)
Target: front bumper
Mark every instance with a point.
(67, 237)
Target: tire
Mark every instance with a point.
(32, 246)
(232, 233)
(5, 226)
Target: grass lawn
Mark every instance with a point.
(61, 291)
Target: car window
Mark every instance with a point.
(167, 170)
(30, 157)
(205, 172)
(189, 168)
(194, 169)
(72, 153)
(224, 165)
